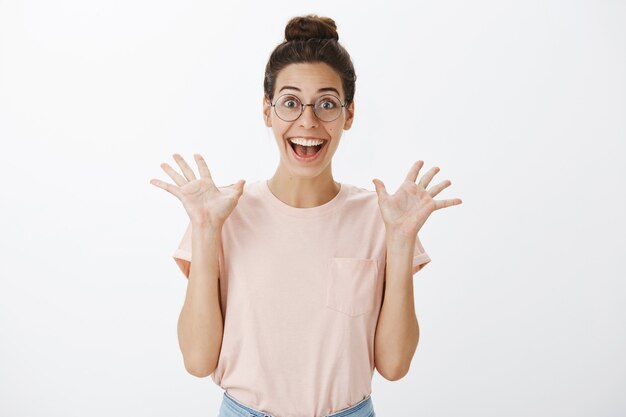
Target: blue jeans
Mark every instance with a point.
(233, 408)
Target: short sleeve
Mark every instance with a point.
(182, 254)
(420, 257)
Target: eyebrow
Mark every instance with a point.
(321, 90)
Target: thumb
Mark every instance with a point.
(380, 188)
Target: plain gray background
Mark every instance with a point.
(521, 104)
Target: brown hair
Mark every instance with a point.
(311, 39)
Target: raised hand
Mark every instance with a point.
(203, 201)
(406, 211)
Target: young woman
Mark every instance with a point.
(301, 285)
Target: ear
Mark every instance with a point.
(349, 116)
(266, 111)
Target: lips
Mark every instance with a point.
(308, 158)
(306, 137)
(324, 141)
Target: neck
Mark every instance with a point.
(303, 192)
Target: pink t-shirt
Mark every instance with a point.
(301, 290)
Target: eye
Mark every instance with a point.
(327, 103)
(290, 102)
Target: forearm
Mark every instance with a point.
(397, 331)
(200, 324)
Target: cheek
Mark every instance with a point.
(279, 128)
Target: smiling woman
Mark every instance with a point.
(303, 174)
(299, 332)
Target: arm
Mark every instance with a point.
(404, 214)
(200, 324)
(397, 331)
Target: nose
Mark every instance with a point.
(308, 119)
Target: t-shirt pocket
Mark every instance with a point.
(351, 285)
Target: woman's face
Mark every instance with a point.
(304, 80)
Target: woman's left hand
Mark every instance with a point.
(407, 210)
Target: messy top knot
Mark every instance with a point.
(311, 26)
(311, 39)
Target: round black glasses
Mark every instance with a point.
(327, 108)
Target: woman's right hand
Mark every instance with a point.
(203, 201)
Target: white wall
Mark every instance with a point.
(521, 104)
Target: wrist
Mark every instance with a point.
(397, 233)
(398, 241)
(205, 225)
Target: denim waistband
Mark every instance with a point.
(363, 408)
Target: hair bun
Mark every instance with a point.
(311, 26)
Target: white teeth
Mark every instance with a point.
(306, 142)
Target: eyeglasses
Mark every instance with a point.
(289, 107)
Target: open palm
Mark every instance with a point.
(203, 201)
(407, 209)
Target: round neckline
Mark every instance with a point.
(304, 211)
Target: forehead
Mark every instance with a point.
(309, 78)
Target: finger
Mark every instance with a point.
(414, 171)
(237, 185)
(436, 189)
(203, 168)
(186, 168)
(439, 204)
(380, 188)
(428, 176)
(170, 188)
(178, 179)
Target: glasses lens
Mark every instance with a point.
(327, 108)
(288, 107)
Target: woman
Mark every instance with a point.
(285, 305)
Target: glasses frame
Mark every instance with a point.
(302, 106)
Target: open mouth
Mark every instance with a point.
(306, 148)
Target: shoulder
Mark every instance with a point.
(362, 200)
(250, 204)
(359, 194)
(360, 213)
